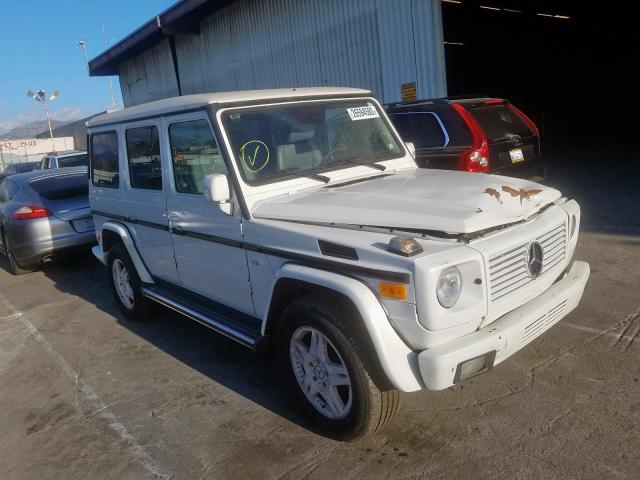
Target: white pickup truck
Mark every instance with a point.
(297, 220)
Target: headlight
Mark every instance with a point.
(449, 286)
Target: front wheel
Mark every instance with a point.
(322, 362)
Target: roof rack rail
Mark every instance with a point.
(438, 99)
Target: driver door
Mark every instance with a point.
(207, 241)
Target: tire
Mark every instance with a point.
(14, 266)
(126, 285)
(324, 321)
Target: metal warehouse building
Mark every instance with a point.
(392, 47)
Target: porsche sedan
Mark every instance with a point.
(44, 213)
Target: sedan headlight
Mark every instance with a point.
(449, 286)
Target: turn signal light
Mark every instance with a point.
(29, 212)
(393, 290)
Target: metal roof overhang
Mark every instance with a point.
(182, 17)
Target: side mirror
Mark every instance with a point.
(412, 149)
(215, 187)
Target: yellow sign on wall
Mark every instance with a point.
(409, 92)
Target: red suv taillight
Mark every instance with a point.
(476, 158)
(29, 212)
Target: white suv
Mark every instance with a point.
(297, 220)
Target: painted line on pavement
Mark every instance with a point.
(97, 405)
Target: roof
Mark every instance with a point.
(194, 102)
(183, 16)
(65, 153)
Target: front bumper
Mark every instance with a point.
(507, 335)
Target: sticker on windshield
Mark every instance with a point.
(254, 155)
(363, 113)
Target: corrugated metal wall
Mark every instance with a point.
(149, 76)
(373, 44)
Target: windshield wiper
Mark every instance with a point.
(354, 161)
(293, 172)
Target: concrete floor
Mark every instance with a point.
(86, 394)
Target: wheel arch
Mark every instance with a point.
(112, 233)
(394, 358)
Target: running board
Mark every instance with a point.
(217, 322)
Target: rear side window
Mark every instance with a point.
(73, 161)
(195, 153)
(422, 128)
(104, 160)
(143, 152)
(499, 122)
(61, 187)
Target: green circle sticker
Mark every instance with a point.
(254, 155)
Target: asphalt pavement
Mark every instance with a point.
(84, 393)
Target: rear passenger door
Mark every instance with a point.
(145, 203)
(207, 241)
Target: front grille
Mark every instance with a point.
(540, 325)
(508, 270)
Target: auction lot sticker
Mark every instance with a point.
(363, 113)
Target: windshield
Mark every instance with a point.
(307, 138)
(73, 161)
(500, 122)
(61, 186)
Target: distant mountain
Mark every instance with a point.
(29, 130)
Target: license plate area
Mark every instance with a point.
(516, 155)
(84, 224)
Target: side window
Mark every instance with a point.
(104, 160)
(143, 153)
(194, 153)
(424, 129)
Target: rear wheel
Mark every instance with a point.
(125, 284)
(322, 361)
(14, 266)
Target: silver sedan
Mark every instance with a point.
(43, 213)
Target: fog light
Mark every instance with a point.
(474, 366)
(574, 223)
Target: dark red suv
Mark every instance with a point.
(479, 134)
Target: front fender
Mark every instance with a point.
(124, 235)
(398, 361)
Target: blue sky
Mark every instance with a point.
(38, 49)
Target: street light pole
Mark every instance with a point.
(113, 97)
(41, 96)
(82, 44)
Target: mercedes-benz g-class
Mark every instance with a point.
(297, 220)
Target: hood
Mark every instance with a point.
(437, 200)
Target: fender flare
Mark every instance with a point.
(398, 361)
(125, 236)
